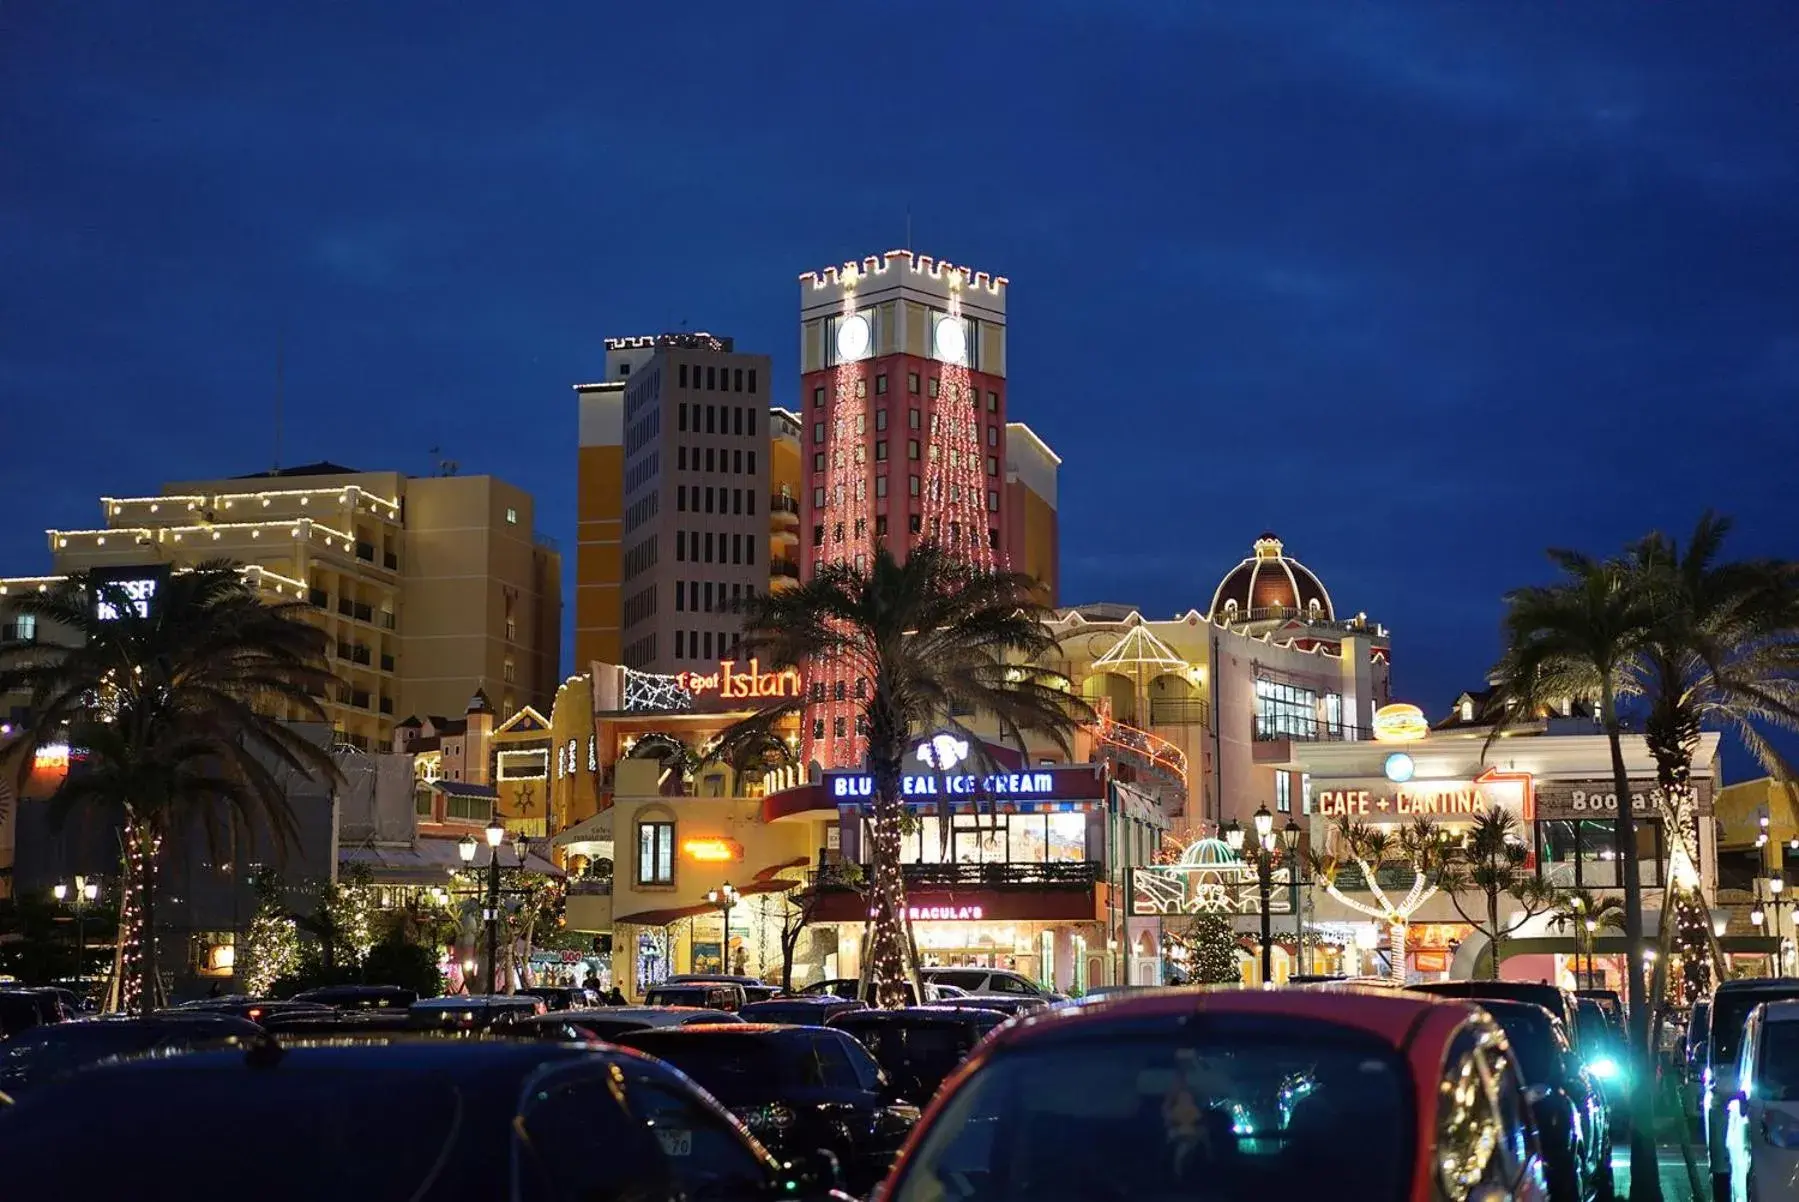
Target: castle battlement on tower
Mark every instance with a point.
(928, 278)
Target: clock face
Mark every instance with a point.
(951, 340)
(852, 338)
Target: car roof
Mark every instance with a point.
(472, 1003)
(780, 1030)
(1786, 1010)
(1389, 1015)
(960, 1016)
(633, 1011)
(1751, 984)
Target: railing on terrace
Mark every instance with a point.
(1059, 874)
(780, 504)
(1388, 877)
(1300, 730)
(1179, 711)
(590, 886)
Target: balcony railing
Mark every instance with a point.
(591, 886)
(784, 567)
(1179, 711)
(1060, 874)
(1300, 730)
(780, 504)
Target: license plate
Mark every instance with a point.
(676, 1143)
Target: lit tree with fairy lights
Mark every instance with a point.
(1416, 851)
(921, 642)
(271, 947)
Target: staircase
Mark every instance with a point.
(1150, 754)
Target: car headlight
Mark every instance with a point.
(1605, 1068)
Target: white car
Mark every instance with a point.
(1762, 1117)
(989, 982)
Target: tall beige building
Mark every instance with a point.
(429, 587)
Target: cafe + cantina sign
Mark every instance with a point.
(1431, 800)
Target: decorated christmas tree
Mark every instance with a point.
(272, 945)
(1212, 950)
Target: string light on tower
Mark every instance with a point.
(956, 509)
(833, 716)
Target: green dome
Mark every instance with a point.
(1209, 853)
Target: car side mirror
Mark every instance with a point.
(807, 1175)
(1696, 1053)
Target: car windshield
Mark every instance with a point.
(1777, 1073)
(1225, 1112)
(1595, 1031)
(1730, 1013)
(730, 1069)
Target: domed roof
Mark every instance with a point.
(1209, 853)
(1270, 585)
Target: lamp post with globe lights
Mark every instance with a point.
(466, 848)
(1264, 853)
(83, 895)
(724, 897)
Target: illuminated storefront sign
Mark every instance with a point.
(944, 913)
(1429, 799)
(135, 590)
(729, 684)
(996, 784)
(1400, 723)
(713, 851)
(51, 757)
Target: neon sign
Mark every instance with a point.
(998, 784)
(1431, 799)
(732, 685)
(138, 596)
(944, 913)
(713, 851)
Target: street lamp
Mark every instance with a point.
(1290, 846)
(1264, 824)
(724, 897)
(1592, 926)
(496, 835)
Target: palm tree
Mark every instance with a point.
(1493, 862)
(1722, 652)
(1580, 637)
(1583, 911)
(179, 712)
(927, 641)
(1418, 848)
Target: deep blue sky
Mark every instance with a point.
(1423, 288)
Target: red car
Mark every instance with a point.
(1358, 1096)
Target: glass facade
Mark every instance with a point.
(1583, 852)
(991, 839)
(1284, 710)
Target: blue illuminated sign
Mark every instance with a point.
(998, 784)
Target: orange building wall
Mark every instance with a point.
(600, 526)
(1032, 539)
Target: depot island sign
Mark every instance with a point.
(1431, 800)
(751, 684)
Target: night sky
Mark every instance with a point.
(1422, 288)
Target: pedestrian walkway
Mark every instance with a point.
(1675, 1187)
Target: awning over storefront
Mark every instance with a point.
(766, 881)
(597, 829)
(429, 861)
(462, 788)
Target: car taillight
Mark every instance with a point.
(1780, 1129)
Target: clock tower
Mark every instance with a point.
(902, 413)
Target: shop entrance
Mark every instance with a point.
(1009, 946)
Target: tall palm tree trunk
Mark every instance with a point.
(886, 955)
(1645, 1184)
(1498, 936)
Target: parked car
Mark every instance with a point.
(612, 1021)
(467, 1014)
(1719, 1060)
(1605, 997)
(1761, 1136)
(1233, 1094)
(798, 1090)
(1005, 1004)
(1553, 998)
(1695, 1042)
(920, 1046)
(1606, 1053)
(22, 1009)
(710, 995)
(300, 1024)
(806, 1011)
(754, 989)
(45, 1053)
(482, 1120)
(566, 997)
(980, 981)
(253, 1009)
(1570, 1110)
(360, 997)
(845, 987)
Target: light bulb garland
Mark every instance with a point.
(271, 947)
